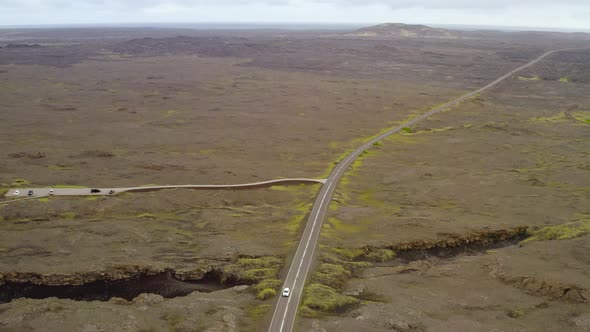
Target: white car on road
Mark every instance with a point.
(286, 292)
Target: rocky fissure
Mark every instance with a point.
(125, 282)
(452, 244)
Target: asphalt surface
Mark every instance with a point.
(44, 192)
(283, 318)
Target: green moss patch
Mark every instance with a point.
(20, 183)
(261, 272)
(323, 295)
(67, 186)
(380, 255)
(560, 117)
(266, 293)
(530, 78)
(255, 275)
(332, 275)
(270, 283)
(295, 222)
(326, 299)
(566, 231)
(68, 215)
(349, 253)
(341, 227)
(258, 312)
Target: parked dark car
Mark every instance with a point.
(94, 191)
(111, 192)
(30, 193)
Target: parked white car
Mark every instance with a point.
(16, 193)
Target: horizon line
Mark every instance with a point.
(147, 24)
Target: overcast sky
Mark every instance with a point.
(574, 14)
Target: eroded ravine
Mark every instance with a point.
(165, 284)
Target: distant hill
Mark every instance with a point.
(404, 30)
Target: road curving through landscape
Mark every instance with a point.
(285, 312)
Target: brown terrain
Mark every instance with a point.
(475, 219)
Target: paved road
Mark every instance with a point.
(286, 308)
(43, 192)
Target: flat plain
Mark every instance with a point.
(475, 219)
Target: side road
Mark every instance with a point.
(43, 192)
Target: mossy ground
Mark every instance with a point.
(68, 186)
(257, 312)
(68, 215)
(260, 272)
(559, 117)
(18, 183)
(322, 298)
(570, 230)
(531, 78)
(324, 293)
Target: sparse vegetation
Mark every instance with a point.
(326, 299)
(560, 117)
(266, 294)
(18, 183)
(261, 272)
(59, 167)
(380, 255)
(147, 215)
(516, 313)
(257, 312)
(68, 215)
(67, 186)
(566, 231)
(332, 275)
(270, 283)
(531, 78)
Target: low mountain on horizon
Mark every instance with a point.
(404, 30)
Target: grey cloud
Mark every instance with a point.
(130, 3)
(458, 4)
(395, 4)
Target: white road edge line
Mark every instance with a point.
(304, 252)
